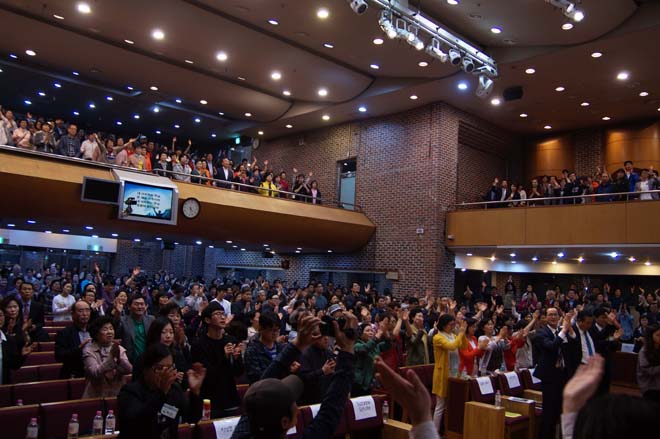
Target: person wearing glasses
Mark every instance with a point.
(155, 405)
(262, 350)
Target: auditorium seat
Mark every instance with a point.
(41, 392)
(26, 374)
(77, 387)
(38, 358)
(55, 416)
(206, 429)
(186, 431)
(52, 335)
(49, 371)
(532, 386)
(241, 388)
(369, 428)
(6, 398)
(458, 393)
(14, 420)
(46, 346)
(425, 374)
(342, 426)
(510, 384)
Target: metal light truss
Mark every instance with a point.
(484, 64)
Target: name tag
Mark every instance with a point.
(364, 407)
(169, 411)
(512, 379)
(315, 409)
(225, 427)
(485, 385)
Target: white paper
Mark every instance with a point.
(224, 428)
(485, 385)
(534, 379)
(364, 407)
(315, 409)
(628, 347)
(292, 431)
(512, 379)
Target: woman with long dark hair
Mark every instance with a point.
(648, 364)
(162, 331)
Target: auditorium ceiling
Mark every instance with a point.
(211, 69)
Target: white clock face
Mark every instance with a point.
(190, 208)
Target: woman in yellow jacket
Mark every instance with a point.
(268, 188)
(444, 341)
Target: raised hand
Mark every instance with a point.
(308, 331)
(407, 391)
(196, 376)
(295, 367)
(583, 385)
(329, 367)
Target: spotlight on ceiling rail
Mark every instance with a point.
(434, 50)
(358, 6)
(485, 87)
(454, 56)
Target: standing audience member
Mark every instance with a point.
(317, 364)
(605, 332)
(63, 302)
(32, 312)
(648, 365)
(370, 344)
(134, 326)
(417, 339)
(12, 356)
(70, 342)
(262, 350)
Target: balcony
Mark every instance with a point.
(47, 188)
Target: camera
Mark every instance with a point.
(358, 6)
(328, 329)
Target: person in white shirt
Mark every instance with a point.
(196, 297)
(90, 148)
(63, 302)
(220, 298)
(7, 125)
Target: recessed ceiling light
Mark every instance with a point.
(560, 88)
(273, 22)
(567, 26)
(178, 101)
(276, 76)
(188, 61)
(158, 238)
(89, 228)
(214, 135)
(157, 34)
(378, 41)
(13, 56)
(647, 263)
(462, 85)
(514, 262)
(83, 8)
(261, 133)
(580, 259)
(203, 102)
(57, 85)
(240, 78)
(561, 254)
(328, 45)
(31, 221)
(59, 17)
(156, 109)
(92, 105)
(585, 104)
(413, 97)
(221, 56)
(468, 254)
(153, 88)
(109, 98)
(242, 249)
(27, 102)
(513, 255)
(495, 101)
(95, 236)
(197, 120)
(322, 92)
(298, 251)
(323, 13)
(422, 64)
(119, 123)
(248, 114)
(596, 54)
(492, 258)
(622, 76)
(452, 2)
(613, 255)
(75, 113)
(221, 113)
(496, 30)
(136, 116)
(42, 94)
(606, 118)
(329, 251)
(374, 66)
(530, 71)
(632, 259)
(157, 131)
(644, 94)
(74, 73)
(286, 93)
(129, 88)
(198, 242)
(535, 259)
(177, 126)
(30, 52)
(129, 41)
(289, 126)
(362, 109)
(523, 115)
(547, 127)
(136, 239)
(65, 230)
(325, 117)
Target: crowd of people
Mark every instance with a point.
(142, 154)
(571, 189)
(208, 335)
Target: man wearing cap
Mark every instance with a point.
(220, 354)
(270, 404)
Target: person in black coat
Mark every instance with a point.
(553, 344)
(35, 312)
(70, 341)
(13, 355)
(317, 364)
(605, 333)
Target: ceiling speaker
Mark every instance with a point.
(512, 93)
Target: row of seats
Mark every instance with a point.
(29, 374)
(43, 391)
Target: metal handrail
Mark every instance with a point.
(221, 184)
(524, 203)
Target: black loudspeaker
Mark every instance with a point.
(167, 245)
(284, 264)
(513, 93)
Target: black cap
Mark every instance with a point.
(268, 400)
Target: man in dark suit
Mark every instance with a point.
(584, 346)
(71, 340)
(34, 311)
(225, 173)
(605, 333)
(553, 345)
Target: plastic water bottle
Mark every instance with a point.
(386, 411)
(97, 425)
(74, 427)
(498, 399)
(110, 423)
(32, 429)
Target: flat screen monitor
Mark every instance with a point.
(97, 190)
(148, 203)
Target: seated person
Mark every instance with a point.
(105, 361)
(155, 405)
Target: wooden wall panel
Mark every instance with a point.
(642, 222)
(639, 143)
(549, 156)
(487, 227)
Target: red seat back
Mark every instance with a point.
(39, 358)
(528, 380)
(52, 335)
(49, 371)
(424, 372)
(206, 429)
(6, 398)
(479, 392)
(55, 416)
(47, 346)
(185, 431)
(370, 424)
(40, 392)
(77, 387)
(511, 384)
(342, 426)
(241, 388)
(25, 374)
(14, 420)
